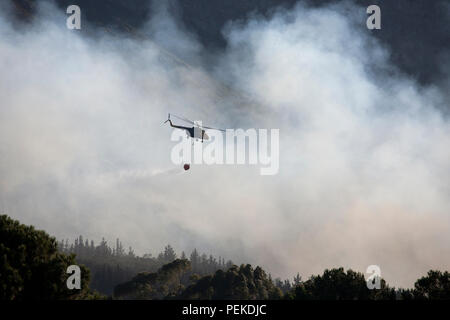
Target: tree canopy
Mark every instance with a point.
(166, 282)
(31, 267)
(435, 285)
(238, 283)
(34, 266)
(337, 284)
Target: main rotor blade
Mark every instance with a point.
(196, 124)
(184, 119)
(204, 127)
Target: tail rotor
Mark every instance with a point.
(168, 119)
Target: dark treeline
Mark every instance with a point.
(243, 283)
(32, 267)
(176, 281)
(111, 265)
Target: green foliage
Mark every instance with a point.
(31, 266)
(434, 286)
(236, 283)
(165, 283)
(108, 266)
(336, 284)
(111, 266)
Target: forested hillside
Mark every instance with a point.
(175, 281)
(31, 268)
(111, 265)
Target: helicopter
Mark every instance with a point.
(197, 131)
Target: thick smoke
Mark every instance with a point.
(364, 151)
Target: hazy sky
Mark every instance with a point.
(364, 152)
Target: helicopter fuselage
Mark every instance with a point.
(193, 132)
